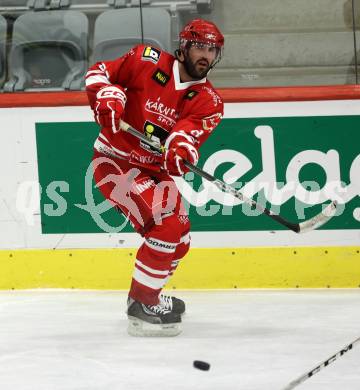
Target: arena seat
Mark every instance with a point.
(118, 30)
(3, 31)
(273, 44)
(297, 58)
(48, 51)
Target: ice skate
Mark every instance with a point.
(172, 303)
(147, 320)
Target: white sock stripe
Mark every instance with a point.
(161, 246)
(152, 270)
(146, 280)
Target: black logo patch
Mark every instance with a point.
(151, 54)
(155, 133)
(160, 77)
(190, 95)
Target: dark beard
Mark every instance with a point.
(191, 69)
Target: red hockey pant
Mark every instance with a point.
(153, 205)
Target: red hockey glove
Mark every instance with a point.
(109, 106)
(180, 147)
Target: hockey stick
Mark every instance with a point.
(311, 224)
(322, 365)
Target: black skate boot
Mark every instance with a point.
(171, 303)
(146, 320)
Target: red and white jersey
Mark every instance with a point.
(158, 103)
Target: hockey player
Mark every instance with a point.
(169, 99)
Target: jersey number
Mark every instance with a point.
(197, 133)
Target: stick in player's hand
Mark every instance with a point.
(311, 224)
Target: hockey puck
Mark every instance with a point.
(201, 365)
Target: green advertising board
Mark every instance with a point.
(293, 165)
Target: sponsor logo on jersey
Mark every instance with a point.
(154, 132)
(161, 244)
(160, 77)
(136, 158)
(144, 185)
(210, 122)
(190, 95)
(166, 115)
(151, 54)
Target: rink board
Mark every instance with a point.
(215, 268)
(42, 247)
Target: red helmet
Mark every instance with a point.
(202, 31)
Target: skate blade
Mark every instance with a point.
(141, 328)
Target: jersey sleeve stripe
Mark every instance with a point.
(96, 79)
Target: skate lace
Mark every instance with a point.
(166, 302)
(158, 309)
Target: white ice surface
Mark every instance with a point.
(254, 340)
